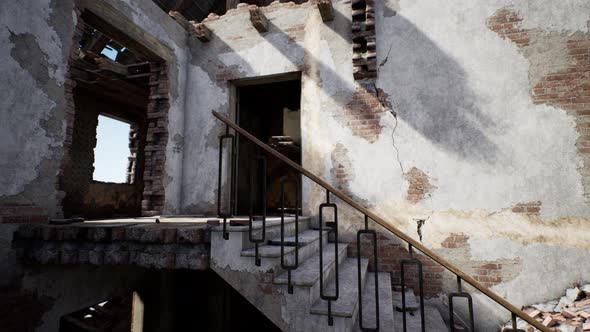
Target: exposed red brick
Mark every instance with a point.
(22, 213)
(419, 185)
(156, 141)
(506, 23)
(455, 240)
(363, 113)
(529, 208)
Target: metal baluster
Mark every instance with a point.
(220, 214)
(323, 296)
(287, 267)
(514, 325)
(358, 259)
(417, 262)
(466, 295)
(260, 159)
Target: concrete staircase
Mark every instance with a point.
(266, 286)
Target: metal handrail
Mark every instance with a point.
(417, 245)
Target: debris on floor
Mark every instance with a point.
(571, 313)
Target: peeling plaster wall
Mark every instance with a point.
(35, 41)
(466, 118)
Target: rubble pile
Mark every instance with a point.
(571, 313)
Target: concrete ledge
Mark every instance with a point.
(153, 245)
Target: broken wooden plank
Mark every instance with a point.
(549, 321)
(201, 31)
(569, 314)
(582, 303)
(259, 21)
(180, 19)
(109, 65)
(326, 10)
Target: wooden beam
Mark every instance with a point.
(201, 31)
(180, 19)
(326, 10)
(141, 51)
(111, 66)
(259, 21)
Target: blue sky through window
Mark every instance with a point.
(110, 53)
(112, 150)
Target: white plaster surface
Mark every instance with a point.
(200, 174)
(466, 117)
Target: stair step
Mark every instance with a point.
(271, 222)
(347, 302)
(307, 274)
(273, 249)
(434, 321)
(386, 320)
(412, 303)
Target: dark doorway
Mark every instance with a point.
(271, 112)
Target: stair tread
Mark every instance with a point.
(434, 321)
(347, 301)
(257, 224)
(307, 274)
(386, 320)
(411, 300)
(306, 237)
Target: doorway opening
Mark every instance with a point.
(272, 113)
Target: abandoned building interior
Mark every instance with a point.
(309, 165)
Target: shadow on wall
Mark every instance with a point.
(431, 90)
(432, 94)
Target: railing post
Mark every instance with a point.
(294, 266)
(417, 262)
(260, 160)
(229, 214)
(466, 295)
(360, 289)
(324, 296)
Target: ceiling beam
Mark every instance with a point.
(326, 10)
(259, 21)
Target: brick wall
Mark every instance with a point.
(363, 113)
(156, 141)
(419, 185)
(364, 40)
(488, 273)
